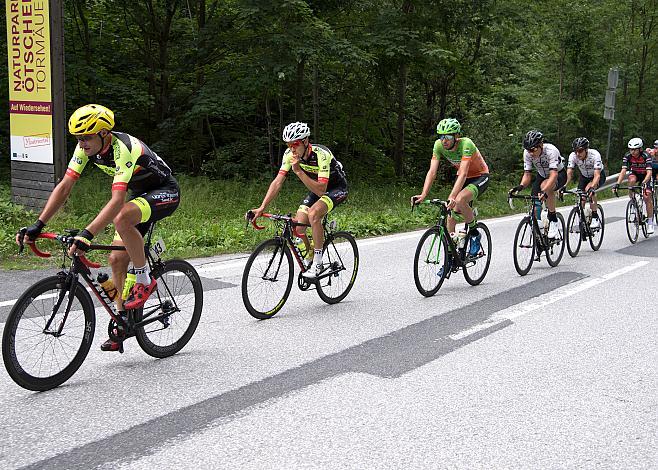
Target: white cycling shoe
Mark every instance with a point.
(553, 231)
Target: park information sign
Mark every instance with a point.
(30, 99)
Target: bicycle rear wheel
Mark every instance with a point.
(342, 255)
(596, 237)
(574, 232)
(431, 262)
(632, 221)
(556, 245)
(477, 265)
(267, 278)
(37, 358)
(179, 298)
(524, 246)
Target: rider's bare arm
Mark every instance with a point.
(108, 212)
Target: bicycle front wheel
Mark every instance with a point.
(596, 237)
(632, 221)
(267, 278)
(177, 303)
(36, 355)
(342, 255)
(556, 245)
(431, 262)
(476, 265)
(524, 246)
(574, 232)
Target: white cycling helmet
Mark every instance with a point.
(296, 131)
(635, 143)
(655, 143)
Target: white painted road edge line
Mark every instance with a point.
(544, 300)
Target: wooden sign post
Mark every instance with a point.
(35, 46)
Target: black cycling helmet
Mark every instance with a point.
(580, 143)
(532, 139)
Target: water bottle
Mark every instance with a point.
(544, 217)
(131, 278)
(107, 285)
(299, 243)
(461, 239)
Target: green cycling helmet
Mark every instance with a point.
(448, 126)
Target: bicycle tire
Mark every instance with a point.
(632, 221)
(258, 262)
(574, 232)
(596, 237)
(431, 265)
(473, 276)
(334, 288)
(30, 314)
(160, 339)
(556, 243)
(524, 246)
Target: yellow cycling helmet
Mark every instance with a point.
(91, 119)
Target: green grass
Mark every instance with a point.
(210, 220)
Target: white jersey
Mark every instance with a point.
(549, 159)
(587, 167)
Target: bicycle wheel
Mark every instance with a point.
(524, 246)
(37, 358)
(643, 219)
(180, 297)
(477, 265)
(267, 278)
(431, 263)
(574, 235)
(632, 221)
(556, 245)
(596, 237)
(342, 255)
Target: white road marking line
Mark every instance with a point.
(543, 300)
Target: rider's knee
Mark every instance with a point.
(119, 259)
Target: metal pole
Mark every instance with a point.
(607, 149)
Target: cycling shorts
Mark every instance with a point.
(331, 198)
(155, 204)
(539, 179)
(477, 185)
(584, 181)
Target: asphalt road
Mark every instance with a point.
(557, 369)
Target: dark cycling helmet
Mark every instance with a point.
(580, 143)
(448, 126)
(532, 139)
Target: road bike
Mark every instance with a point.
(636, 213)
(579, 227)
(531, 237)
(438, 255)
(51, 327)
(268, 275)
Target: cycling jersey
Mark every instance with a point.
(549, 159)
(587, 166)
(320, 164)
(465, 150)
(133, 165)
(638, 164)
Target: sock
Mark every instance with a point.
(472, 224)
(552, 216)
(317, 258)
(143, 275)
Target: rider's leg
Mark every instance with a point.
(118, 261)
(302, 217)
(125, 224)
(315, 215)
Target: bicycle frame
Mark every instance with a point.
(80, 266)
(543, 242)
(582, 198)
(636, 194)
(285, 225)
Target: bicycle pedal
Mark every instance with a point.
(121, 347)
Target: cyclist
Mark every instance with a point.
(325, 179)
(639, 163)
(472, 178)
(551, 173)
(154, 194)
(592, 173)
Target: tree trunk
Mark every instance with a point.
(398, 153)
(270, 142)
(316, 104)
(299, 90)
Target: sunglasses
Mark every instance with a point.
(446, 136)
(532, 149)
(84, 138)
(294, 143)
